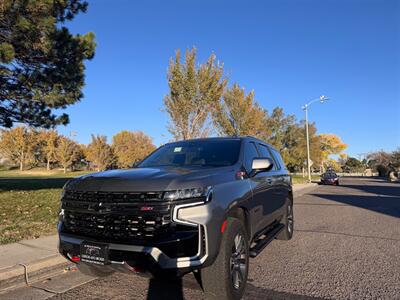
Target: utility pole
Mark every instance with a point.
(321, 99)
(308, 146)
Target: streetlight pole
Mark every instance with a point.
(308, 145)
(321, 99)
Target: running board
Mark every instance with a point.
(262, 243)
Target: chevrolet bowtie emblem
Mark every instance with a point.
(146, 208)
(96, 206)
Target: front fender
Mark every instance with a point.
(212, 214)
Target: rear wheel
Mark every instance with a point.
(227, 277)
(93, 270)
(288, 221)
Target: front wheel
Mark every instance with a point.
(227, 277)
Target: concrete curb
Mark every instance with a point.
(15, 276)
(301, 189)
(19, 269)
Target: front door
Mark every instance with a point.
(262, 189)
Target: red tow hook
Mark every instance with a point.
(75, 258)
(135, 269)
(138, 270)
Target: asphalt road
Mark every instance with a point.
(346, 246)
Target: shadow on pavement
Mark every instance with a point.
(384, 188)
(381, 196)
(159, 289)
(388, 205)
(347, 234)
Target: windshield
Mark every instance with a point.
(329, 175)
(210, 153)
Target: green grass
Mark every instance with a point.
(29, 203)
(297, 179)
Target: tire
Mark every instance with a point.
(288, 221)
(226, 278)
(94, 271)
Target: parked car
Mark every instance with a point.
(330, 178)
(202, 206)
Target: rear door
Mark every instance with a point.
(262, 190)
(273, 201)
(284, 176)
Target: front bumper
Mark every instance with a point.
(150, 258)
(124, 257)
(329, 182)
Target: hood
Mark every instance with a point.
(151, 179)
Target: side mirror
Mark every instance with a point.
(261, 165)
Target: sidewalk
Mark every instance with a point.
(28, 256)
(302, 188)
(41, 255)
(27, 251)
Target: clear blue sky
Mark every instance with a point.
(289, 52)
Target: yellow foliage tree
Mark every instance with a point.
(19, 145)
(194, 91)
(238, 114)
(99, 153)
(130, 147)
(67, 152)
(49, 140)
(330, 144)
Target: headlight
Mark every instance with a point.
(61, 211)
(61, 215)
(188, 193)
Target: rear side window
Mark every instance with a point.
(250, 152)
(266, 153)
(278, 157)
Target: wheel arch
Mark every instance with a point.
(243, 215)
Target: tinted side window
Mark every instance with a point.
(266, 153)
(250, 152)
(279, 158)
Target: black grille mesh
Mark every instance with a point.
(117, 216)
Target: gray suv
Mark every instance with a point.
(203, 206)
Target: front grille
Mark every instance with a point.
(117, 216)
(117, 226)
